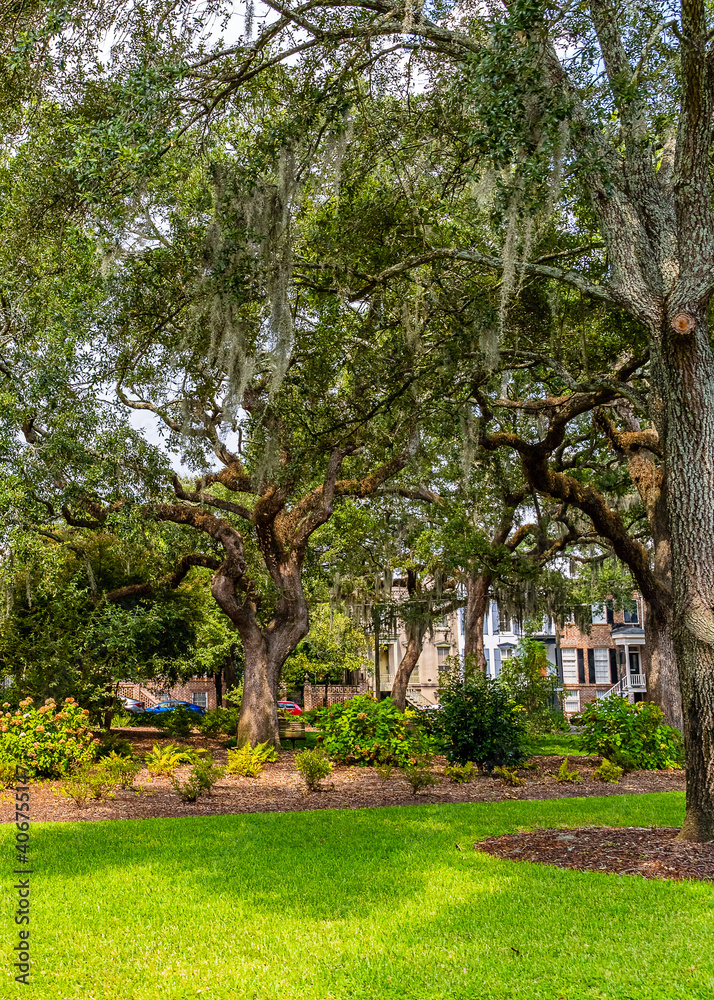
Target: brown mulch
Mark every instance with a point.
(652, 852)
(280, 788)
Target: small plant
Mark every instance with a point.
(384, 772)
(608, 772)
(509, 776)
(460, 773)
(8, 773)
(120, 770)
(87, 783)
(114, 744)
(313, 765)
(419, 774)
(164, 760)
(250, 761)
(189, 790)
(564, 775)
(207, 773)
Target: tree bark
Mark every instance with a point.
(685, 371)
(415, 644)
(477, 605)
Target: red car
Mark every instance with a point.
(291, 707)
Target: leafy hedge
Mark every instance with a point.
(48, 741)
(632, 736)
(364, 731)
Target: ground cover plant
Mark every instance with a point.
(483, 918)
(250, 761)
(364, 731)
(631, 736)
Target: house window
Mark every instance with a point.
(602, 666)
(200, 698)
(504, 622)
(630, 614)
(599, 614)
(442, 653)
(569, 659)
(571, 702)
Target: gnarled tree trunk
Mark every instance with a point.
(477, 605)
(415, 644)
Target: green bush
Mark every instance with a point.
(528, 678)
(608, 772)
(201, 779)
(564, 775)
(634, 737)
(119, 769)
(460, 773)
(364, 731)
(219, 722)
(313, 766)
(112, 743)
(419, 774)
(176, 722)
(508, 774)
(165, 759)
(250, 761)
(48, 741)
(478, 721)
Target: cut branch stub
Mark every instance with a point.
(683, 323)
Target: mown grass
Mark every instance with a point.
(563, 744)
(355, 904)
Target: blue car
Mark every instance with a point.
(169, 706)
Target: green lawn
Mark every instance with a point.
(565, 744)
(355, 904)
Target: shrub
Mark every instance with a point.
(207, 773)
(508, 774)
(363, 731)
(164, 760)
(313, 766)
(89, 782)
(528, 679)
(177, 722)
(112, 743)
(565, 775)
(120, 770)
(202, 777)
(250, 761)
(634, 737)
(384, 772)
(608, 772)
(419, 774)
(478, 721)
(459, 773)
(48, 741)
(219, 722)
(8, 774)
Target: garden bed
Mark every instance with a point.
(280, 789)
(650, 853)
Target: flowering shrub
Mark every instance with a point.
(48, 741)
(363, 731)
(632, 736)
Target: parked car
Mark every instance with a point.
(169, 706)
(133, 706)
(291, 707)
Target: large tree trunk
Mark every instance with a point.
(685, 371)
(415, 644)
(477, 605)
(661, 666)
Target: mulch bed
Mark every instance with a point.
(280, 788)
(651, 852)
